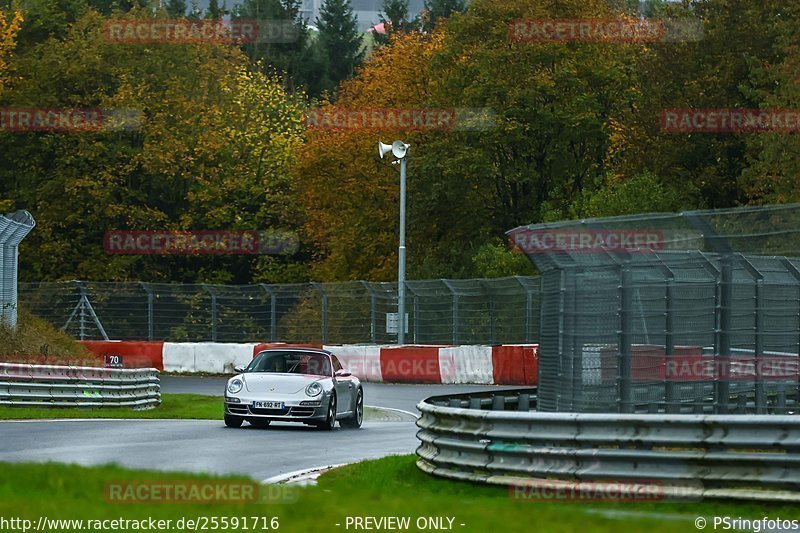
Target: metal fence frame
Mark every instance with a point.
(482, 311)
(493, 438)
(724, 283)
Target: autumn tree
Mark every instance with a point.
(349, 194)
(9, 26)
(211, 151)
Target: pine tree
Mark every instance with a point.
(440, 9)
(340, 42)
(284, 47)
(194, 12)
(394, 17)
(176, 8)
(214, 12)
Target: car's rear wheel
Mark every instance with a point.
(233, 421)
(330, 420)
(259, 423)
(354, 422)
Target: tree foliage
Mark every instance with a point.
(340, 43)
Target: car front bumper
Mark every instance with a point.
(294, 409)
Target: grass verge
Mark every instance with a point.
(191, 406)
(391, 486)
(187, 406)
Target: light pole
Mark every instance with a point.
(399, 150)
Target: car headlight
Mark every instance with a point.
(235, 385)
(315, 389)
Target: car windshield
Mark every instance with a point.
(291, 363)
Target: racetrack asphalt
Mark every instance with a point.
(208, 446)
(391, 395)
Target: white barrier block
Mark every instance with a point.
(212, 357)
(466, 364)
(364, 361)
(178, 357)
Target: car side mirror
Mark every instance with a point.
(238, 369)
(342, 373)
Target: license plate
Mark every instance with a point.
(268, 405)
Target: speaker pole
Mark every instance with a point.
(401, 267)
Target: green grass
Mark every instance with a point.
(188, 406)
(37, 341)
(193, 406)
(391, 486)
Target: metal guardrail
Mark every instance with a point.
(71, 386)
(493, 438)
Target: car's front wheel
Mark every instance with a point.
(354, 422)
(233, 421)
(330, 420)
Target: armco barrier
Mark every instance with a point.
(494, 438)
(500, 365)
(72, 386)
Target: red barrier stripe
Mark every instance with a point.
(264, 345)
(515, 365)
(134, 354)
(411, 364)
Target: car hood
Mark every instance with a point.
(278, 383)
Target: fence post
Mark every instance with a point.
(416, 317)
(795, 273)
(273, 307)
(625, 323)
(758, 324)
(213, 312)
(490, 296)
(82, 316)
(722, 386)
(671, 404)
(528, 310)
(454, 309)
(319, 288)
(13, 228)
(373, 311)
(149, 310)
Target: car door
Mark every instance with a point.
(344, 388)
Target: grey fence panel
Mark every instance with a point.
(13, 228)
(705, 290)
(494, 438)
(483, 311)
(69, 386)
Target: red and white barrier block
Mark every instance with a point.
(500, 365)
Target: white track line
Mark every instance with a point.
(393, 409)
(282, 478)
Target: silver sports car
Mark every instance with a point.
(294, 385)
